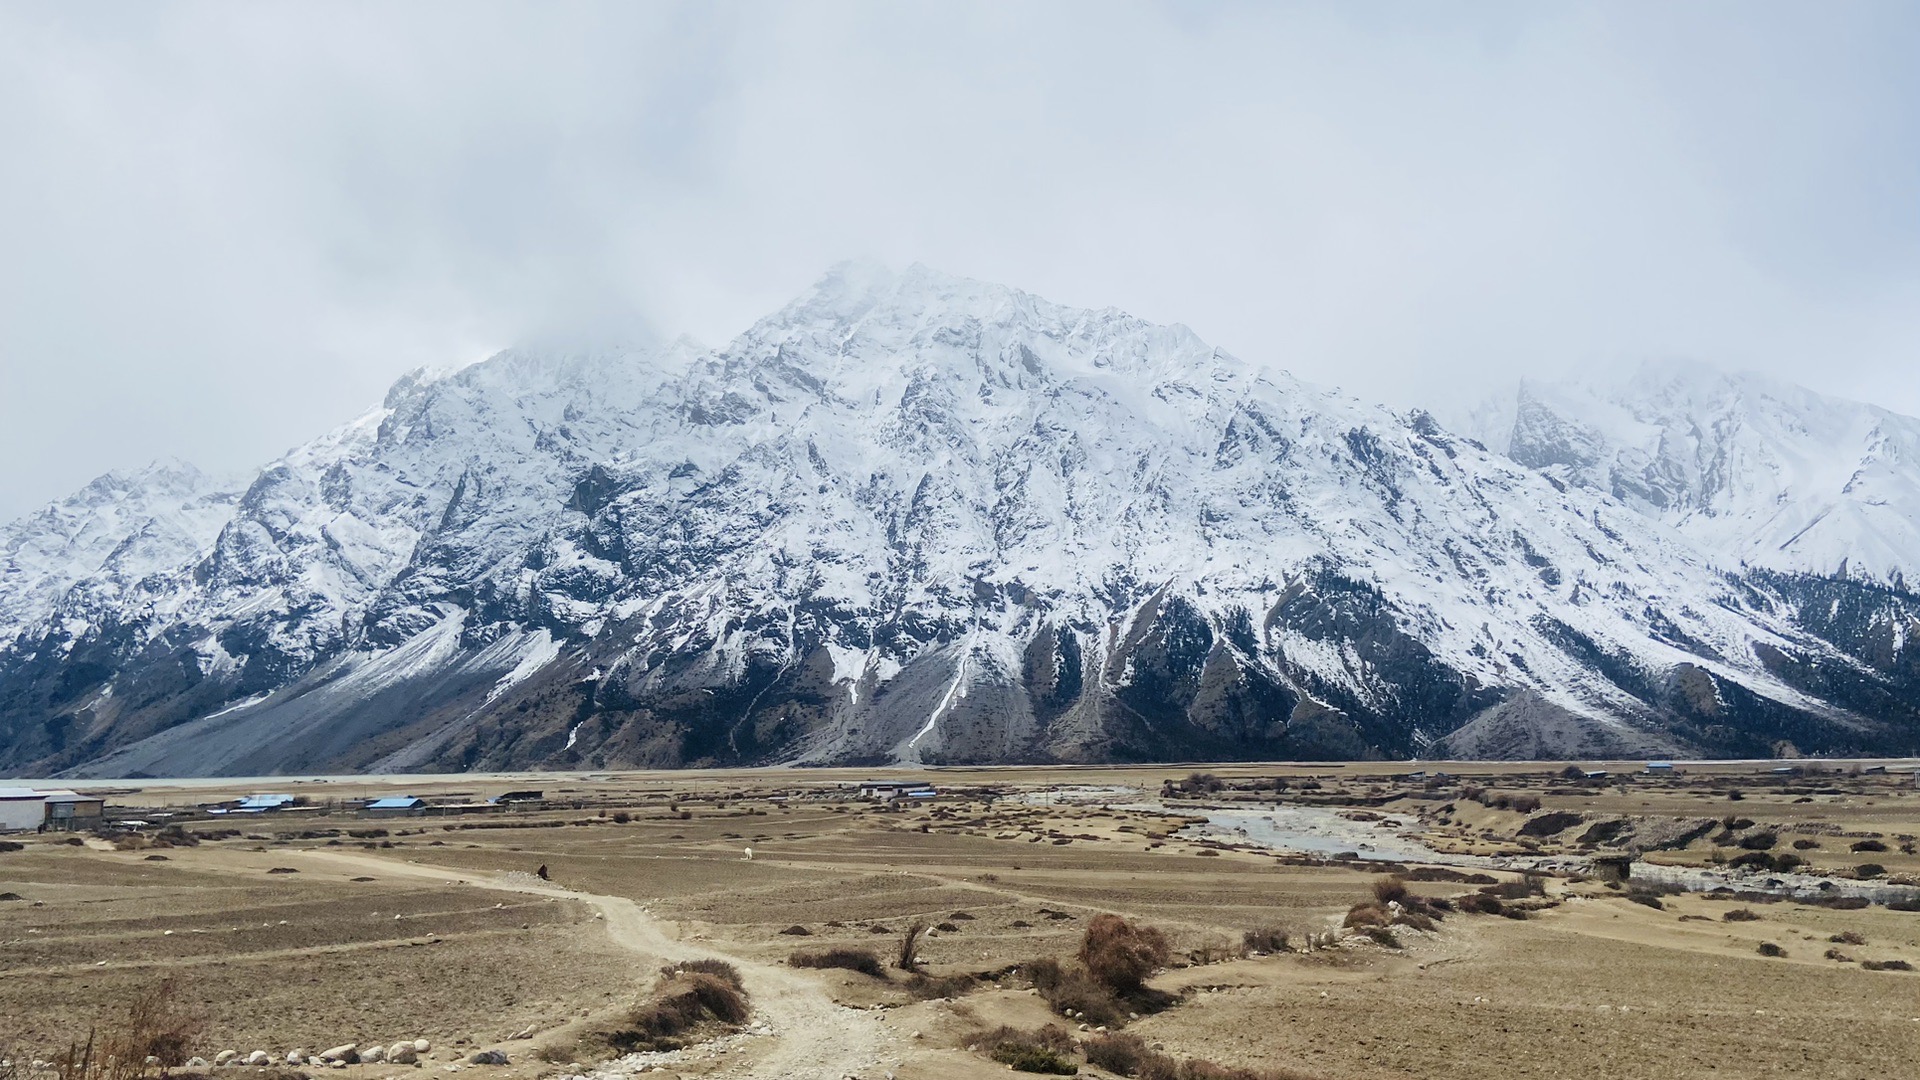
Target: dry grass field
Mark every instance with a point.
(313, 929)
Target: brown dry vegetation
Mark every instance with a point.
(1588, 982)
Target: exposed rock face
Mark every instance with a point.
(911, 517)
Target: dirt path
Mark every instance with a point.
(811, 1037)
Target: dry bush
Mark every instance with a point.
(1266, 939)
(154, 1027)
(1739, 914)
(1365, 914)
(687, 1005)
(1121, 954)
(1389, 890)
(1869, 870)
(719, 969)
(907, 958)
(1080, 996)
(1768, 948)
(1042, 1050)
(863, 961)
(1885, 965)
(1480, 904)
(1836, 954)
(1847, 938)
(1867, 845)
(1380, 935)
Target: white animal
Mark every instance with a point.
(749, 853)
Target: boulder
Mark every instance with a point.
(259, 1057)
(373, 1054)
(297, 1057)
(402, 1053)
(488, 1057)
(344, 1054)
(421, 1046)
(192, 1063)
(225, 1057)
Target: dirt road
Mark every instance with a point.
(811, 1037)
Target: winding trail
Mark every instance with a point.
(812, 1037)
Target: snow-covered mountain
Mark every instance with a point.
(914, 517)
(1774, 474)
(114, 537)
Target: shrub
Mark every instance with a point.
(861, 960)
(1804, 844)
(1365, 914)
(1380, 935)
(1740, 914)
(1760, 841)
(621, 817)
(1869, 870)
(1120, 954)
(1867, 845)
(1389, 889)
(1127, 1055)
(12, 845)
(684, 1002)
(1525, 804)
(1044, 973)
(907, 958)
(1646, 897)
(1269, 939)
(925, 987)
(1836, 954)
(1768, 948)
(1480, 904)
(1886, 965)
(1081, 996)
(797, 930)
(1848, 938)
(719, 969)
(1043, 1050)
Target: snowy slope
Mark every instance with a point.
(915, 517)
(1772, 473)
(115, 534)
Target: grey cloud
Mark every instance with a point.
(228, 227)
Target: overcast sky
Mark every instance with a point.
(227, 227)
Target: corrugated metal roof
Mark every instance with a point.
(395, 802)
(20, 793)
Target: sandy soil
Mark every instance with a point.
(481, 954)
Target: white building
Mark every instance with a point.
(22, 809)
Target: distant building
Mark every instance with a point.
(262, 804)
(22, 809)
(1659, 766)
(519, 796)
(72, 810)
(395, 806)
(887, 790)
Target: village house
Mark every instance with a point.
(22, 810)
(395, 806)
(67, 810)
